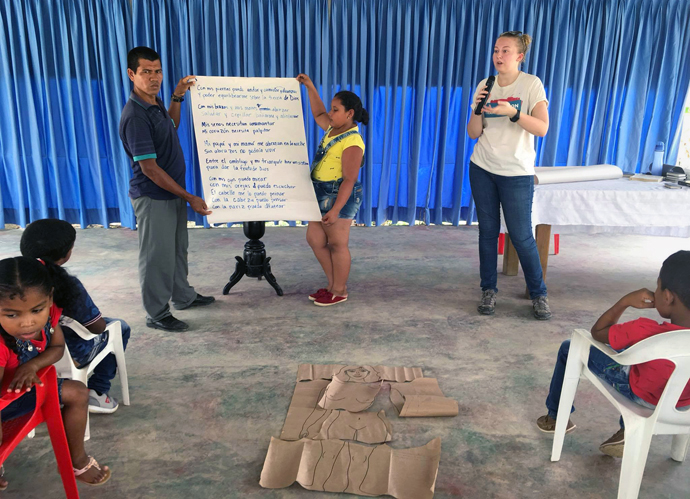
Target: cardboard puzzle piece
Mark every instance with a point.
(304, 417)
(342, 466)
(311, 372)
(366, 427)
(353, 396)
(421, 398)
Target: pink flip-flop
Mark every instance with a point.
(92, 463)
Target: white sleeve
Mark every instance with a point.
(537, 94)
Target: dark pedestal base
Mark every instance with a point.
(255, 263)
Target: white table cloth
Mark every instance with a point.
(618, 206)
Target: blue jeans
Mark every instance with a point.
(603, 366)
(85, 351)
(515, 194)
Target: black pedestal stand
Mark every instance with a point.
(255, 263)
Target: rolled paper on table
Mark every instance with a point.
(564, 174)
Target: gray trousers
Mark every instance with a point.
(163, 242)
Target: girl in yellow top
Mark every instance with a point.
(334, 173)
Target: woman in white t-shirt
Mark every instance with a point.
(502, 168)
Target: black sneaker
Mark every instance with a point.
(542, 311)
(168, 323)
(488, 304)
(199, 301)
(614, 446)
(548, 425)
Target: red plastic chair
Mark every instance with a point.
(48, 410)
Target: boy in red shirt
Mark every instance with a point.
(642, 383)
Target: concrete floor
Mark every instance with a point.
(205, 403)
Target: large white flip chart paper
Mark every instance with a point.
(252, 149)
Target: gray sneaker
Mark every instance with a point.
(488, 303)
(542, 311)
(102, 404)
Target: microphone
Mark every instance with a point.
(489, 85)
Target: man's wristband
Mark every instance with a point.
(516, 117)
(175, 98)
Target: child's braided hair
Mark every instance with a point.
(17, 275)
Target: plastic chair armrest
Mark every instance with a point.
(9, 397)
(112, 326)
(75, 326)
(641, 352)
(603, 347)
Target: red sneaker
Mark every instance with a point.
(327, 299)
(314, 296)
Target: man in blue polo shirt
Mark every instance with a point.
(149, 135)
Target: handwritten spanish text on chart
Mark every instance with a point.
(252, 149)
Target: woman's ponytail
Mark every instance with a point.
(363, 117)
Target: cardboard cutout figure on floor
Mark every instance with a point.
(305, 419)
(366, 427)
(341, 466)
(416, 398)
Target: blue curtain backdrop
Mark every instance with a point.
(62, 88)
(615, 72)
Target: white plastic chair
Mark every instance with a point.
(640, 423)
(66, 367)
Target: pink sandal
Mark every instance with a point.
(2, 476)
(92, 463)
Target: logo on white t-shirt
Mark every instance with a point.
(516, 102)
